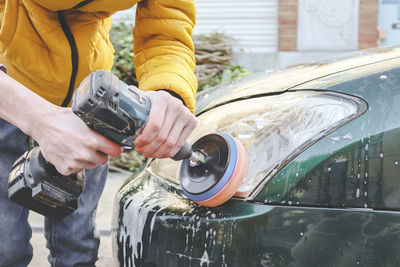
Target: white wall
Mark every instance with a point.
(387, 16)
(329, 25)
(253, 23)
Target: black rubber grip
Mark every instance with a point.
(184, 153)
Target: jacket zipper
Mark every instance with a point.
(83, 3)
(74, 56)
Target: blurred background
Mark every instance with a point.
(277, 33)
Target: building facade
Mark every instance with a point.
(276, 33)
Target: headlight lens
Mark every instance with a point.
(273, 129)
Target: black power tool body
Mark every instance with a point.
(108, 106)
(210, 175)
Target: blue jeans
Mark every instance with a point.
(72, 240)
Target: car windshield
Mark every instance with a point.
(273, 129)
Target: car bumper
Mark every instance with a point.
(155, 225)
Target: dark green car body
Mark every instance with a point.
(336, 202)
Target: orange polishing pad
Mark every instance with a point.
(215, 182)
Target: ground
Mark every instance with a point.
(103, 220)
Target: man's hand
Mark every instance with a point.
(167, 128)
(64, 139)
(67, 143)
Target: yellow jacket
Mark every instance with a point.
(51, 45)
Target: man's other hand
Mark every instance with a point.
(167, 128)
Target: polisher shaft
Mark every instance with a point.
(197, 158)
(186, 152)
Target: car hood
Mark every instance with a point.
(292, 77)
(154, 225)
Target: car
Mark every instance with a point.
(322, 186)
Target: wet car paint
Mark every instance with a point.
(251, 234)
(156, 225)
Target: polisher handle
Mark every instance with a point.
(184, 153)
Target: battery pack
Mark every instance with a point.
(55, 197)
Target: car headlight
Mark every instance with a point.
(273, 129)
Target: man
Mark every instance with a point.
(48, 47)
